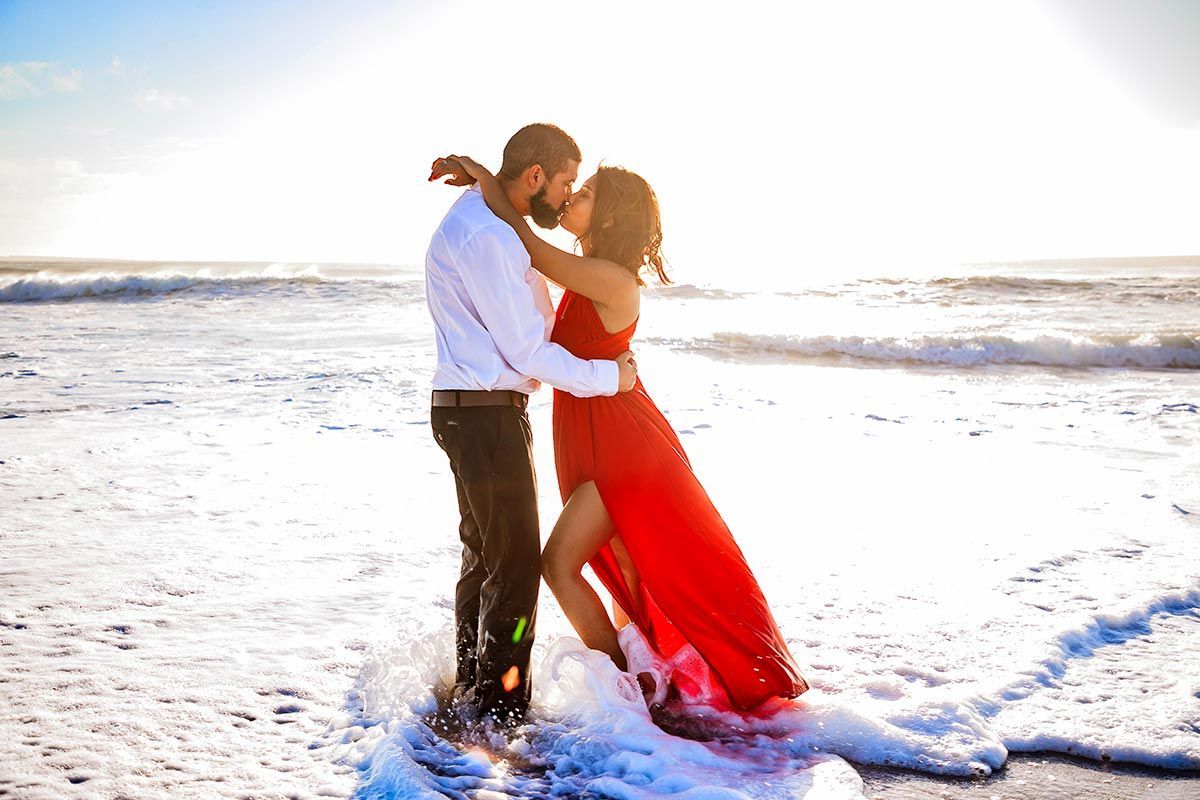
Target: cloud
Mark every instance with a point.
(39, 179)
(33, 78)
(67, 81)
(16, 80)
(119, 69)
(159, 100)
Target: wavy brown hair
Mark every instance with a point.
(626, 227)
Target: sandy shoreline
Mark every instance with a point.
(1044, 776)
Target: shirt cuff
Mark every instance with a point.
(610, 376)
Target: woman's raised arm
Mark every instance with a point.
(597, 279)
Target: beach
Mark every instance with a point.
(1043, 775)
(972, 500)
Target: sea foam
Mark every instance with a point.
(1175, 351)
(589, 733)
(23, 286)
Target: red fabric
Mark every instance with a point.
(695, 584)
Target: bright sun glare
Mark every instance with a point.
(785, 141)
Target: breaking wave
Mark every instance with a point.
(43, 286)
(1127, 290)
(1181, 351)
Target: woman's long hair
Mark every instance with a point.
(626, 228)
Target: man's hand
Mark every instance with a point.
(627, 368)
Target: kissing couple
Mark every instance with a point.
(632, 507)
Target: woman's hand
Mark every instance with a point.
(463, 170)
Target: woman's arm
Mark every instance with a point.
(597, 279)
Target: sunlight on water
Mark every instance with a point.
(229, 540)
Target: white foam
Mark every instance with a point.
(1118, 686)
(96, 285)
(1095, 632)
(202, 580)
(1181, 351)
(910, 730)
(71, 285)
(589, 732)
(998, 288)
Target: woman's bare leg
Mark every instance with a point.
(620, 618)
(632, 580)
(582, 529)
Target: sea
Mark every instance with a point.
(228, 540)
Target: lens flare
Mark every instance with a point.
(511, 678)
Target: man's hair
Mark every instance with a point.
(540, 143)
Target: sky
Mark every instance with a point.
(813, 137)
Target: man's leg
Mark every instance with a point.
(503, 499)
(466, 596)
(448, 429)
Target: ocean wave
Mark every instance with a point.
(688, 291)
(1180, 351)
(1128, 289)
(1043, 708)
(43, 286)
(1101, 630)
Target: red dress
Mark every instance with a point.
(696, 587)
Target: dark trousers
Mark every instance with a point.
(491, 455)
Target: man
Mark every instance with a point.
(492, 317)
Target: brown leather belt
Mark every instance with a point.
(465, 398)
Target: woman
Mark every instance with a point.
(633, 508)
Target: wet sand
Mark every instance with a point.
(1037, 776)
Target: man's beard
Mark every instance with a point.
(544, 214)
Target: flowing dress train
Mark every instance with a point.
(695, 585)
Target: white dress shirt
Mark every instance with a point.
(492, 312)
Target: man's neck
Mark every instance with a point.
(519, 200)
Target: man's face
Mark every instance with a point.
(548, 203)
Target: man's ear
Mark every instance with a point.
(534, 176)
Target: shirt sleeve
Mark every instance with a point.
(493, 266)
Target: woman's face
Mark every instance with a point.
(577, 219)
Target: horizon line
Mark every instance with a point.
(962, 262)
